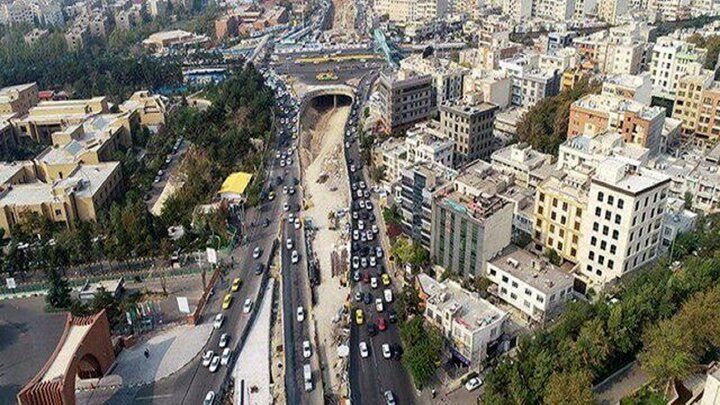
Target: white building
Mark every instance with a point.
(632, 87)
(521, 161)
(447, 75)
(590, 150)
(530, 283)
(517, 10)
(530, 84)
(621, 229)
(468, 323)
(671, 60)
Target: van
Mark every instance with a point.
(307, 373)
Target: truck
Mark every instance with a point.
(307, 373)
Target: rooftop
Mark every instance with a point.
(534, 270)
(633, 179)
(10, 93)
(612, 104)
(467, 109)
(520, 155)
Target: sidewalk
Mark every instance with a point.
(252, 368)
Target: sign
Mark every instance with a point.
(211, 256)
(10, 282)
(183, 305)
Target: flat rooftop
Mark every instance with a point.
(534, 270)
(618, 174)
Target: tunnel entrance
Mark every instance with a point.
(327, 101)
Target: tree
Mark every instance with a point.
(423, 345)
(58, 295)
(569, 388)
(688, 198)
(554, 257)
(408, 303)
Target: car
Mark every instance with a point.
(297, 223)
(386, 351)
(352, 169)
(373, 282)
(218, 322)
(385, 279)
(300, 314)
(359, 193)
(257, 252)
(289, 244)
(282, 162)
(392, 316)
(291, 190)
(247, 306)
(356, 235)
(387, 293)
(271, 196)
(372, 329)
(286, 207)
(379, 304)
(225, 358)
(362, 185)
(207, 358)
(259, 268)
(214, 364)
(266, 222)
(361, 204)
(355, 263)
(359, 316)
(294, 257)
(364, 350)
(378, 251)
(364, 262)
(473, 383)
(354, 186)
(361, 225)
(358, 296)
(389, 398)
(368, 298)
(227, 301)
(285, 189)
(224, 340)
(209, 398)
(363, 237)
(355, 215)
(236, 284)
(375, 228)
(372, 261)
(382, 323)
(157, 179)
(307, 352)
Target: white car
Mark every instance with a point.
(286, 207)
(217, 323)
(285, 189)
(373, 282)
(364, 262)
(214, 364)
(364, 350)
(378, 251)
(300, 314)
(289, 244)
(209, 398)
(282, 163)
(294, 257)
(356, 235)
(355, 263)
(373, 261)
(362, 204)
(297, 223)
(224, 340)
(387, 293)
(207, 358)
(378, 304)
(473, 384)
(369, 235)
(256, 252)
(386, 351)
(361, 224)
(368, 205)
(247, 307)
(352, 168)
(225, 358)
(375, 229)
(307, 352)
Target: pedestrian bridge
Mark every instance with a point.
(84, 351)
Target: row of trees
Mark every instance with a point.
(591, 341)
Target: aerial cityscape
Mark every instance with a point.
(359, 202)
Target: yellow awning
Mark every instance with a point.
(236, 183)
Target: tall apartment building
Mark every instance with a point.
(528, 166)
(489, 86)
(470, 126)
(610, 10)
(671, 60)
(590, 150)
(555, 10)
(530, 283)
(669, 10)
(708, 125)
(406, 97)
(632, 87)
(638, 123)
(18, 99)
(470, 225)
(614, 53)
(621, 227)
(447, 75)
(469, 324)
(560, 203)
(530, 84)
(419, 184)
(517, 10)
(406, 11)
(689, 98)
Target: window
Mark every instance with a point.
(593, 241)
(618, 218)
(601, 259)
(608, 214)
(605, 230)
(493, 272)
(598, 211)
(542, 196)
(514, 284)
(615, 234)
(554, 202)
(553, 216)
(621, 203)
(611, 264)
(601, 196)
(591, 255)
(610, 200)
(504, 279)
(540, 299)
(596, 226)
(540, 209)
(613, 249)
(528, 292)
(513, 296)
(603, 245)
(565, 206)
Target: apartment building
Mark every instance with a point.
(35, 35)
(517, 10)
(677, 220)
(47, 117)
(470, 126)
(419, 184)
(469, 324)
(528, 166)
(406, 97)
(554, 10)
(613, 53)
(470, 224)
(407, 11)
(488, 86)
(151, 108)
(669, 10)
(589, 150)
(610, 10)
(530, 84)
(621, 228)
(163, 41)
(632, 87)
(18, 99)
(689, 98)
(708, 120)
(447, 75)
(531, 284)
(560, 203)
(672, 59)
(638, 123)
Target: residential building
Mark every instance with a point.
(669, 10)
(671, 60)
(621, 228)
(554, 10)
(419, 184)
(47, 117)
(560, 203)
(589, 150)
(711, 391)
(708, 120)
(530, 84)
(506, 121)
(226, 27)
(447, 75)
(406, 11)
(489, 86)
(35, 35)
(689, 99)
(471, 223)
(677, 220)
(470, 126)
(632, 87)
(151, 108)
(8, 140)
(517, 10)
(523, 162)
(531, 284)
(161, 42)
(18, 99)
(610, 10)
(614, 53)
(77, 36)
(638, 123)
(406, 97)
(488, 56)
(470, 325)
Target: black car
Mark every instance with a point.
(371, 217)
(368, 299)
(392, 316)
(397, 351)
(372, 329)
(266, 222)
(259, 268)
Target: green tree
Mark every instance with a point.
(569, 388)
(688, 200)
(58, 294)
(423, 345)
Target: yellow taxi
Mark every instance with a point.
(385, 279)
(236, 285)
(227, 301)
(359, 316)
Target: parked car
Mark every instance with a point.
(300, 314)
(207, 358)
(473, 383)
(214, 364)
(364, 350)
(307, 351)
(224, 340)
(386, 351)
(247, 307)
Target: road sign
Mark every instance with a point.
(211, 256)
(10, 282)
(183, 305)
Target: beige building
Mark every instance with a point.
(689, 98)
(18, 99)
(470, 126)
(150, 107)
(48, 117)
(406, 97)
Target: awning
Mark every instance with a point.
(235, 185)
